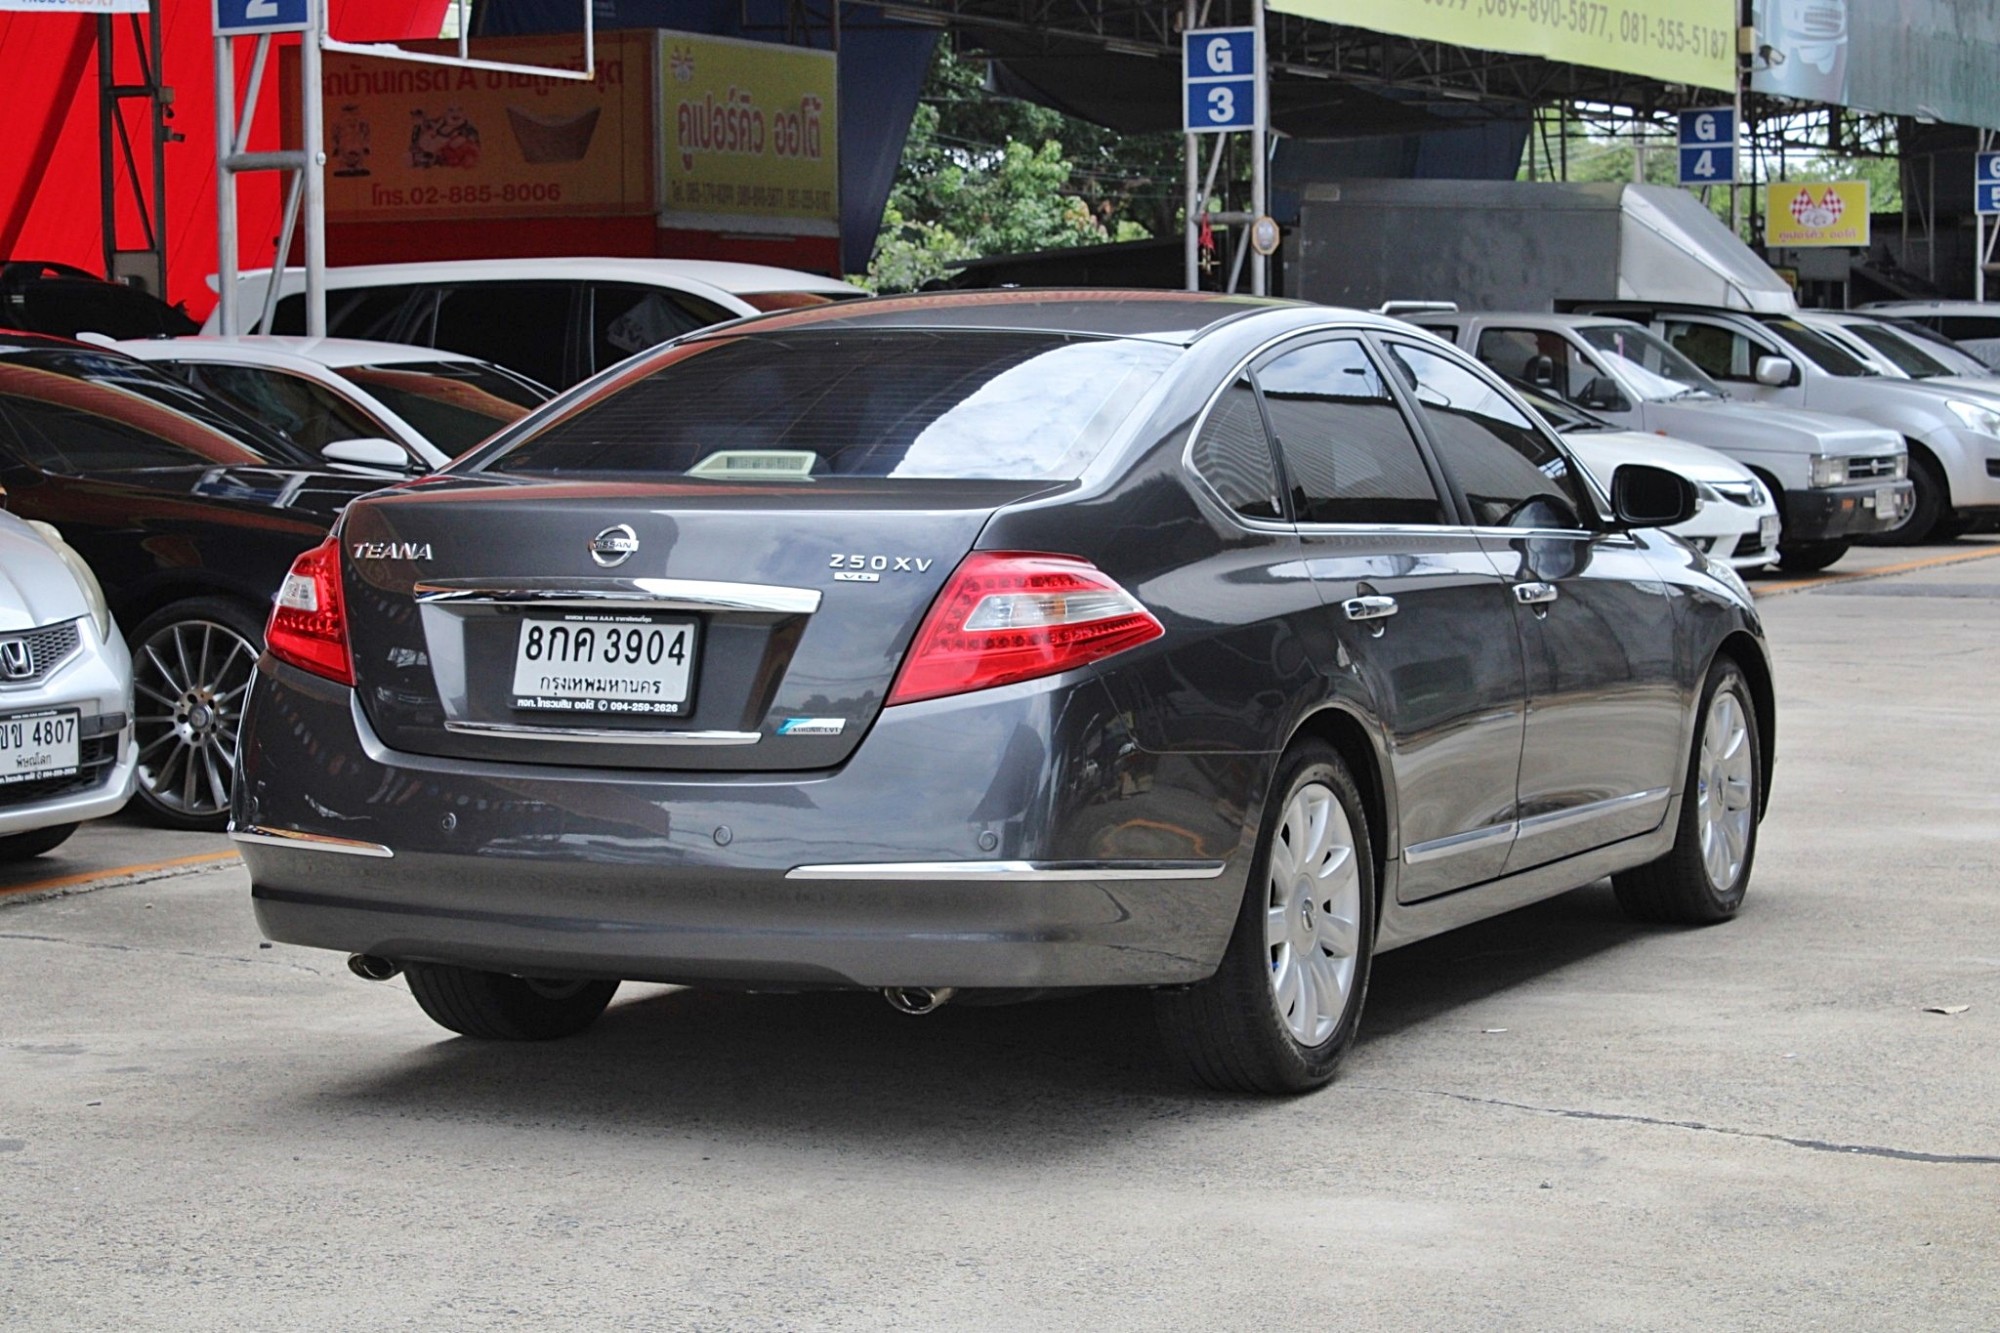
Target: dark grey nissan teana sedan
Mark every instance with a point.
(1002, 642)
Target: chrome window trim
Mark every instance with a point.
(1009, 872)
(308, 842)
(656, 594)
(1472, 840)
(523, 731)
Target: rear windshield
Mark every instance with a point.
(453, 404)
(791, 407)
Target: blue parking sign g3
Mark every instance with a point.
(1219, 79)
(235, 18)
(1986, 183)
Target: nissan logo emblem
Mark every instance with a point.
(614, 545)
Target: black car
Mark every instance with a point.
(189, 513)
(44, 297)
(1004, 642)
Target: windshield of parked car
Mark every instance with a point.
(807, 404)
(187, 427)
(1898, 351)
(453, 404)
(1944, 349)
(1817, 348)
(1655, 371)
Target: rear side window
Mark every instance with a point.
(1974, 327)
(1537, 356)
(1233, 454)
(802, 405)
(523, 326)
(627, 317)
(381, 314)
(1349, 454)
(1512, 476)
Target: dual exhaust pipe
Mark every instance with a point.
(903, 999)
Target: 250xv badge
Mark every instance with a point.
(871, 568)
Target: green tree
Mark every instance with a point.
(986, 175)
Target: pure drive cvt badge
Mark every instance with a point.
(812, 726)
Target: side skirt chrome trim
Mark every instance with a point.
(602, 736)
(1011, 872)
(308, 842)
(1457, 844)
(1578, 814)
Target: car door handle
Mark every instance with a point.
(1534, 594)
(1369, 608)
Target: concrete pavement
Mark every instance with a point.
(1556, 1120)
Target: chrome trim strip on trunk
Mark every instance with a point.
(1011, 872)
(654, 594)
(308, 842)
(522, 731)
(1474, 840)
(1577, 814)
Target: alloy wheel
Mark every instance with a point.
(1313, 913)
(1727, 786)
(189, 680)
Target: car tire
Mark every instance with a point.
(1283, 1007)
(1701, 881)
(498, 1007)
(1809, 557)
(191, 668)
(1930, 518)
(21, 846)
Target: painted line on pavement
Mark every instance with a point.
(116, 872)
(1907, 567)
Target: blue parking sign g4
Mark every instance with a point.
(1708, 146)
(234, 18)
(1219, 79)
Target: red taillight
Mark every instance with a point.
(309, 623)
(1014, 615)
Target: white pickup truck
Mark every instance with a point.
(1836, 478)
(1953, 436)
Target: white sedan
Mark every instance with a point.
(1738, 519)
(364, 404)
(66, 747)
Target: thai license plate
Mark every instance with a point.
(589, 663)
(38, 745)
(1885, 501)
(1767, 530)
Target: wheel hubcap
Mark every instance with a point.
(190, 679)
(1313, 913)
(1725, 790)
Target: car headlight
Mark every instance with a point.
(93, 592)
(1984, 420)
(1829, 471)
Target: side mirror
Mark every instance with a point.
(1602, 395)
(1643, 496)
(1541, 372)
(386, 455)
(1776, 372)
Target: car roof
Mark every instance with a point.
(17, 340)
(735, 278)
(1937, 307)
(1163, 316)
(1525, 318)
(277, 349)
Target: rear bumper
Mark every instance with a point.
(1107, 866)
(1840, 512)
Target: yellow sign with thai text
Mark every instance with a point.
(1800, 213)
(418, 142)
(748, 136)
(1679, 41)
